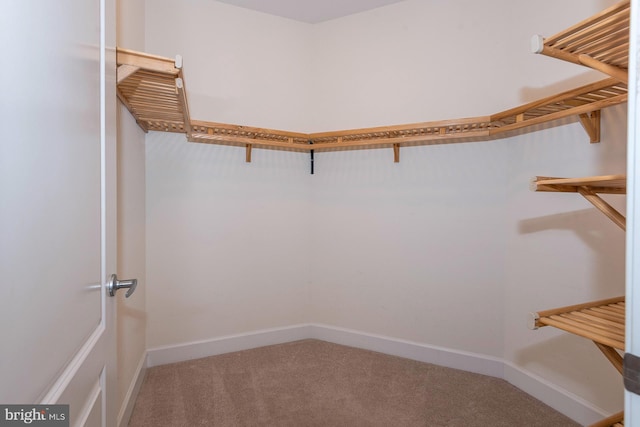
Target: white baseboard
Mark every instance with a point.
(470, 362)
(227, 344)
(561, 400)
(132, 393)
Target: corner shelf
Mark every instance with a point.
(153, 89)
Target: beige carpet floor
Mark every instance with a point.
(315, 383)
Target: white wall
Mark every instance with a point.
(447, 248)
(241, 66)
(132, 318)
(227, 241)
(418, 61)
(561, 251)
(412, 250)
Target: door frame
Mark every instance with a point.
(632, 401)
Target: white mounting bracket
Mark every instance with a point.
(533, 319)
(537, 44)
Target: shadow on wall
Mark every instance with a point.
(588, 224)
(598, 233)
(565, 355)
(530, 94)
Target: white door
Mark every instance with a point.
(57, 221)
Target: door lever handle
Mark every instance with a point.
(115, 284)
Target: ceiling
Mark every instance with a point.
(311, 11)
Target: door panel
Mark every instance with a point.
(56, 172)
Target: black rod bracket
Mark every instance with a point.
(312, 160)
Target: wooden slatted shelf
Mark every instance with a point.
(152, 88)
(603, 322)
(222, 133)
(600, 42)
(600, 321)
(584, 102)
(589, 188)
(436, 132)
(607, 184)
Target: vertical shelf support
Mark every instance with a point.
(248, 155)
(182, 99)
(396, 153)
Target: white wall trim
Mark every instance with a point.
(561, 400)
(226, 344)
(470, 362)
(132, 393)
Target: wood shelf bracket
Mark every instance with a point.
(396, 153)
(612, 356)
(248, 153)
(603, 207)
(611, 70)
(591, 124)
